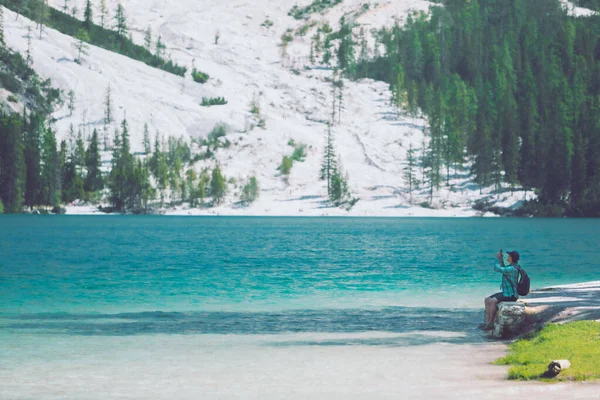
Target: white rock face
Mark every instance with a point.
(509, 319)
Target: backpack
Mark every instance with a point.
(524, 283)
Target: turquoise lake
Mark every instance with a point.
(55, 267)
(253, 308)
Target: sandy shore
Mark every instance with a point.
(193, 367)
(311, 365)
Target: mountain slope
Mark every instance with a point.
(371, 140)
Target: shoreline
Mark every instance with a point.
(412, 212)
(291, 365)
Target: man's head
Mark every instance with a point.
(513, 257)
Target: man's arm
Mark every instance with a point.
(499, 267)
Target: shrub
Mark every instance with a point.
(254, 107)
(12, 98)
(287, 37)
(213, 101)
(303, 30)
(199, 76)
(9, 81)
(267, 24)
(291, 143)
(220, 130)
(286, 165)
(299, 153)
(1, 207)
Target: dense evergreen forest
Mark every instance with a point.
(513, 86)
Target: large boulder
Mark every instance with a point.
(509, 320)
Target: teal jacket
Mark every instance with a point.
(510, 279)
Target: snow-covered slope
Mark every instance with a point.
(371, 140)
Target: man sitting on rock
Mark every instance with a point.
(510, 278)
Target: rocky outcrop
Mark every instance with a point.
(509, 320)
(557, 304)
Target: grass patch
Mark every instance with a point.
(578, 342)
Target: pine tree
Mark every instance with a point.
(2, 41)
(81, 45)
(409, 174)
(66, 7)
(121, 22)
(413, 99)
(28, 58)
(12, 166)
(160, 47)
(327, 51)
(148, 39)
(71, 104)
(286, 38)
(159, 167)
(42, 15)
(147, 145)
(317, 45)
(73, 182)
(190, 183)
(218, 186)
(400, 99)
(144, 191)
(334, 88)
(88, 15)
(108, 106)
(329, 163)
(50, 172)
(363, 55)
(434, 152)
(345, 53)
(93, 162)
(339, 84)
(250, 191)
(79, 149)
(103, 13)
(33, 130)
(203, 187)
(122, 183)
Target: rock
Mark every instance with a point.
(59, 210)
(509, 319)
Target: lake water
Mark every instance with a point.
(236, 307)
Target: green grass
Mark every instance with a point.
(578, 342)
